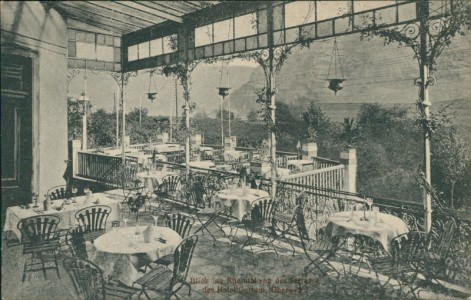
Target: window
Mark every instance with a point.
(86, 51)
(104, 53)
(132, 53)
(156, 47)
(360, 6)
(204, 35)
(331, 9)
(299, 13)
(245, 25)
(143, 50)
(170, 44)
(223, 31)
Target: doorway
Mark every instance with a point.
(16, 129)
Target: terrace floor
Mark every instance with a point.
(217, 271)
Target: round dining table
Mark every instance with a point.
(153, 179)
(382, 228)
(241, 200)
(120, 253)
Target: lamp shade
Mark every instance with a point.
(83, 98)
(223, 91)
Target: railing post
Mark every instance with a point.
(76, 146)
(349, 159)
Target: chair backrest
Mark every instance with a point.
(179, 222)
(264, 210)
(93, 218)
(171, 183)
(86, 277)
(442, 247)
(408, 247)
(182, 258)
(59, 192)
(38, 230)
(76, 241)
(195, 194)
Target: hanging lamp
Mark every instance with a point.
(152, 94)
(224, 86)
(223, 91)
(335, 77)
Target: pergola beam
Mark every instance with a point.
(121, 13)
(87, 16)
(150, 11)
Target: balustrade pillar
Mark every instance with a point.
(349, 159)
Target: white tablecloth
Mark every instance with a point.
(240, 200)
(120, 253)
(15, 213)
(153, 179)
(383, 230)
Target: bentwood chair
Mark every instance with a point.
(436, 263)
(261, 221)
(59, 192)
(75, 239)
(93, 220)
(319, 250)
(181, 223)
(168, 282)
(89, 281)
(405, 262)
(40, 239)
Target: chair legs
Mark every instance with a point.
(39, 259)
(204, 225)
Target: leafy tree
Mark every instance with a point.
(101, 129)
(388, 147)
(451, 160)
(74, 119)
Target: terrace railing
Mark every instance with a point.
(101, 168)
(330, 178)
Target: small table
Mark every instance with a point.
(383, 230)
(153, 179)
(240, 200)
(67, 214)
(120, 253)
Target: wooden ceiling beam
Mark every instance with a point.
(80, 25)
(117, 14)
(151, 11)
(169, 6)
(123, 10)
(84, 16)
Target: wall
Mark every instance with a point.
(27, 27)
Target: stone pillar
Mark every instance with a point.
(230, 142)
(309, 151)
(349, 159)
(196, 141)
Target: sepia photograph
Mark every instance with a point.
(236, 149)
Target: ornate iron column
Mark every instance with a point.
(122, 79)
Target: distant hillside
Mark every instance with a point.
(374, 73)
